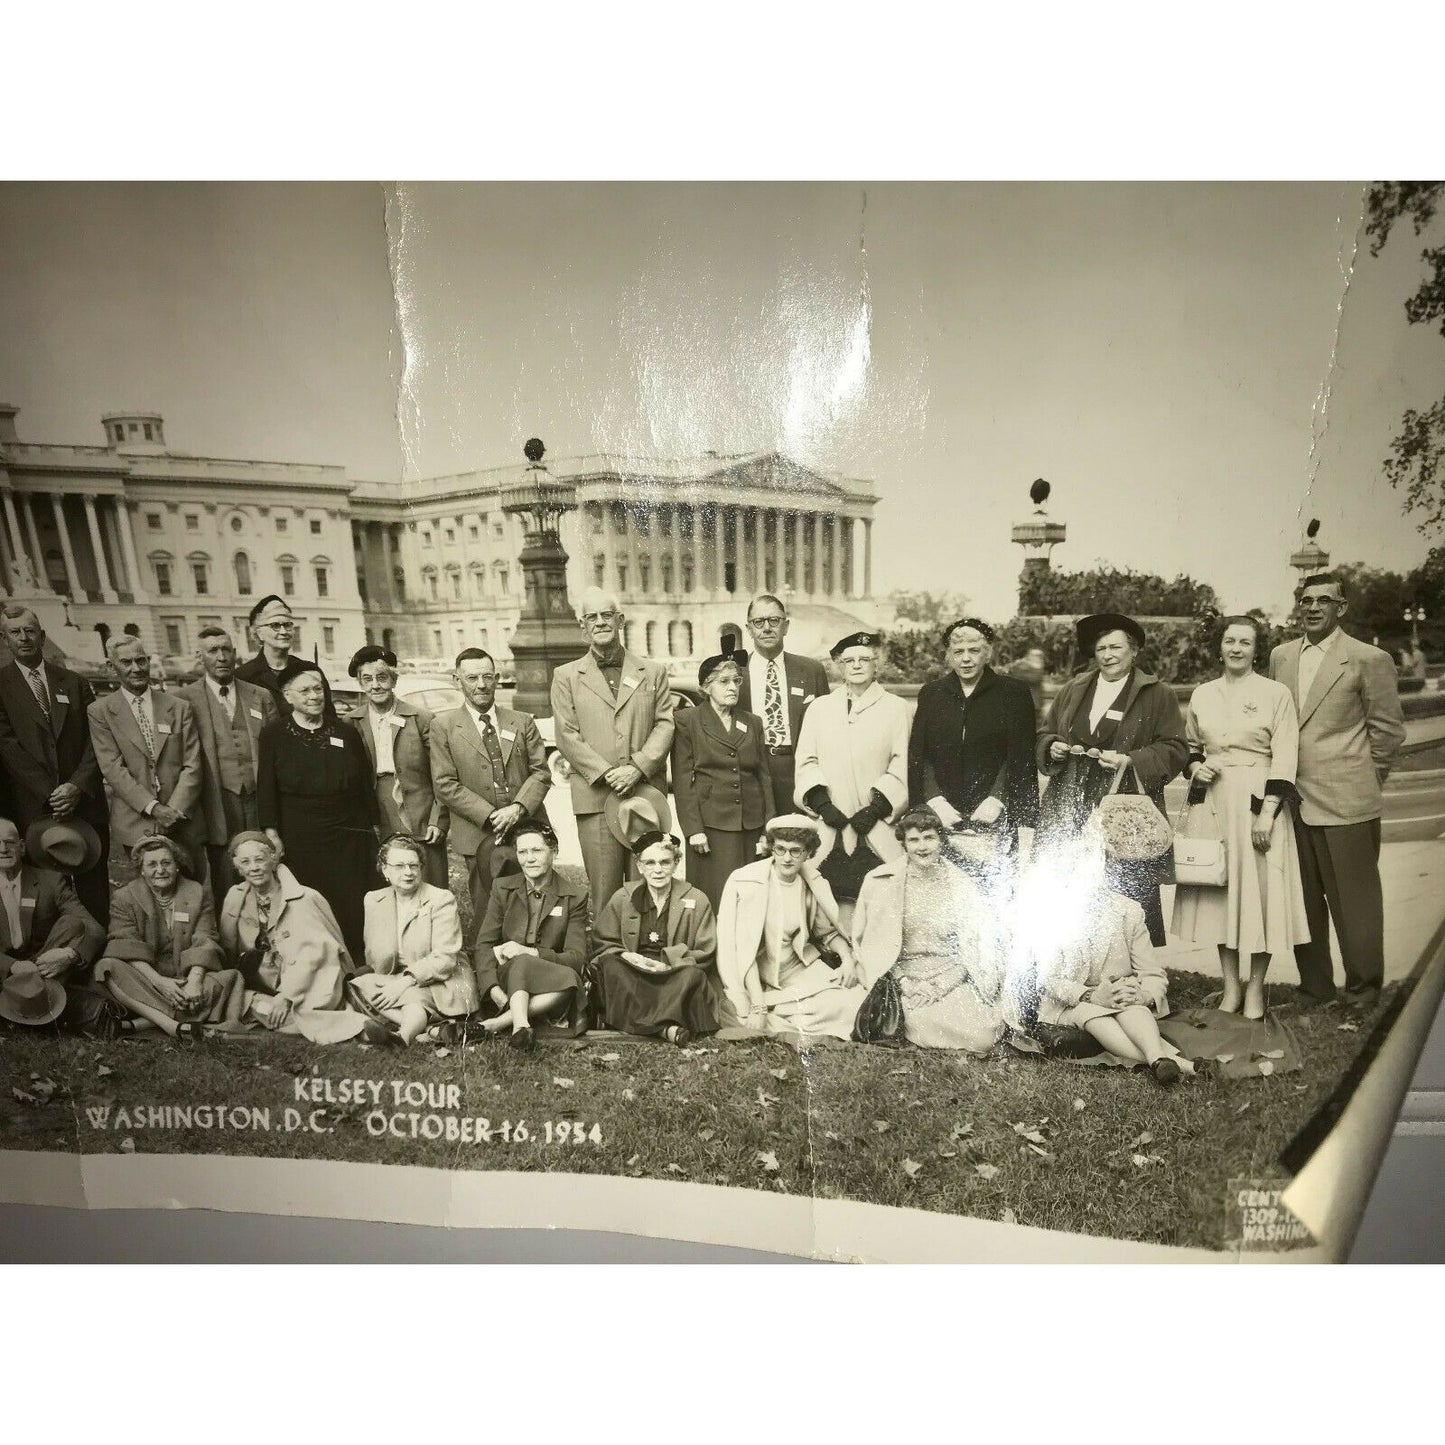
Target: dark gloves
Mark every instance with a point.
(875, 810)
(821, 802)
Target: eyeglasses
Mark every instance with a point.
(282, 624)
(766, 621)
(598, 616)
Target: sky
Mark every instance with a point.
(1197, 369)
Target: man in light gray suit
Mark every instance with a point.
(1351, 727)
(229, 716)
(489, 769)
(613, 715)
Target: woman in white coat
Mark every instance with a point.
(852, 770)
(418, 973)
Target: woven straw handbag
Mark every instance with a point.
(1133, 829)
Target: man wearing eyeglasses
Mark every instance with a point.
(274, 629)
(613, 718)
(778, 686)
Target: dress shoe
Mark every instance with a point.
(524, 1040)
(1361, 1000)
(1166, 1072)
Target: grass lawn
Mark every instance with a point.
(913, 1128)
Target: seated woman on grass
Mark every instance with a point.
(162, 959)
(418, 973)
(656, 943)
(1098, 970)
(286, 942)
(926, 920)
(532, 943)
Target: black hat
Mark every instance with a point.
(370, 653)
(855, 639)
(653, 837)
(710, 665)
(263, 604)
(540, 826)
(978, 625)
(1089, 630)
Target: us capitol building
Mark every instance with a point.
(134, 532)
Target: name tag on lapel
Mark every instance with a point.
(396, 722)
(163, 728)
(510, 736)
(556, 912)
(1115, 714)
(61, 697)
(183, 917)
(689, 902)
(255, 713)
(629, 682)
(27, 903)
(741, 727)
(337, 742)
(796, 691)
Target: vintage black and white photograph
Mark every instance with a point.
(924, 697)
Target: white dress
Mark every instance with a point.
(1249, 730)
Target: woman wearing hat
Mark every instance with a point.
(316, 799)
(532, 944)
(284, 939)
(163, 960)
(1243, 734)
(853, 769)
(397, 738)
(1112, 713)
(720, 778)
(656, 945)
(418, 974)
(784, 962)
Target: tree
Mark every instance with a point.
(927, 609)
(1044, 592)
(1417, 453)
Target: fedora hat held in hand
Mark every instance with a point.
(28, 997)
(69, 845)
(643, 810)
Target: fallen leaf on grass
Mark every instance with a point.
(881, 1126)
(960, 1131)
(563, 1083)
(1224, 1058)
(633, 1160)
(1030, 1132)
(766, 1099)
(1242, 1107)
(778, 1073)
(911, 1168)
(894, 1073)
(23, 1096)
(985, 1171)
(1270, 1054)
(1266, 1067)
(628, 1096)
(104, 1072)
(1043, 1154)
(1143, 1160)
(944, 1152)
(1008, 1217)
(767, 1161)
(1139, 1140)
(1348, 1028)
(441, 1053)
(676, 1169)
(610, 1058)
(1079, 1106)
(705, 1134)
(127, 1146)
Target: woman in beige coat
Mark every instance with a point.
(418, 974)
(285, 940)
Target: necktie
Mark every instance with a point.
(42, 693)
(225, 699)
(774, 727)
(138, 707)
(494, 756)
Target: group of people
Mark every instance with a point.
(855, 868)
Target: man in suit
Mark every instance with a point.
(778, 686)
(971, 748)
(229, 716)
(45, 747)
(613, 715)
(43, 922)
(489, 768)
(1351, 727)
(149, 751)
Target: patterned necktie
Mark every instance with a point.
(225, 692)
(42, 693)
(774, 728)
(494, 756)
(138, 707)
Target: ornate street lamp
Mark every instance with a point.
(547, 634)
(1414, 616)
(1038, 537)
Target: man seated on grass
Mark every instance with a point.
(41, 919)
(782, 958)
(163, 960)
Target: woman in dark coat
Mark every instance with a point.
(1112, 712)
(657, 948)
(316, 802)
(720, 778)
(972, 743)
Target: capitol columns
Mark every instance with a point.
(760, 549)
(72, 573)
(102, 567)
(123, 518)
(867, 556)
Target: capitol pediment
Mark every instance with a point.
(773, 472)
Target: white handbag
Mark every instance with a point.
(1198, 862)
